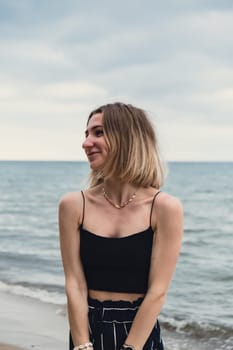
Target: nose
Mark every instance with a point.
(87, 143)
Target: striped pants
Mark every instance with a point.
(110, 322)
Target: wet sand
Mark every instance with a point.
(27, 323)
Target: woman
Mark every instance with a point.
(120, 239)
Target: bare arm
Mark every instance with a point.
(165, 252)
(70, 213)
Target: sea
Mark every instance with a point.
(198, 312)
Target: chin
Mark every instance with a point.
(96, 166)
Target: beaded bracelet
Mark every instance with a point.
(83, 346)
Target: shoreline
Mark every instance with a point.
(28, 323)
(31, 324)
(9, 347)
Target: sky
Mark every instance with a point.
(61, 59)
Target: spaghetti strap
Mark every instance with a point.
(83, 207)
(152, 205)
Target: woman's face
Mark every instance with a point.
(95, 145)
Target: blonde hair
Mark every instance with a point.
(133, 149)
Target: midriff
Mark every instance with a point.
(114, 296)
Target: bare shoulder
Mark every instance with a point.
(167, 202)
(70, 198)
(71, 205)
(168, 209)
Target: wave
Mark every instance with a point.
(44, 292)
(56, 295)
(180, 332)
(199, 330)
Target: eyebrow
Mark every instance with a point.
(93, 128)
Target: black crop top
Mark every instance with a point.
(116, 264)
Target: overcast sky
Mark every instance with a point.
(60, 59)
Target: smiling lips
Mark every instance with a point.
(90, 154)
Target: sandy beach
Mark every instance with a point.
(9, 347)
(27, 323)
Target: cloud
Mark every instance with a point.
(28, 143)
(200, 142)
(59, 60)
(75, 91)
(57, 105)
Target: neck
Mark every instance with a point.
(118, 191)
